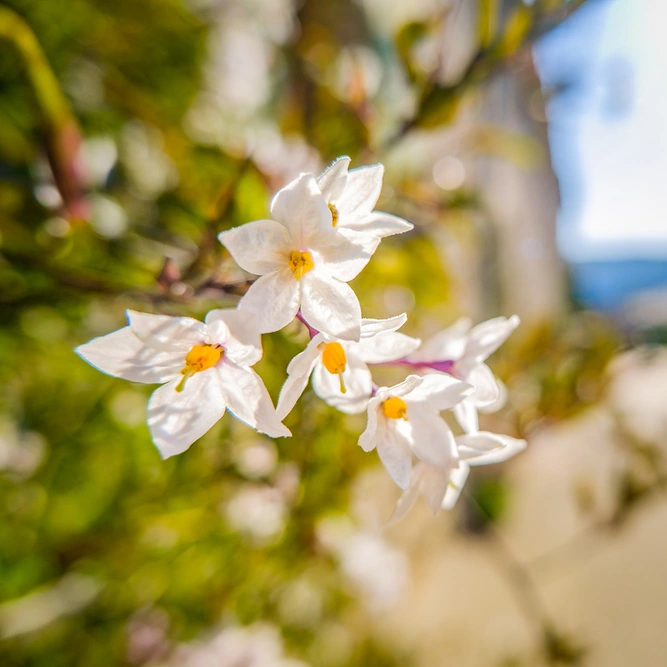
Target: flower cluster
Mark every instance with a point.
(321, 234)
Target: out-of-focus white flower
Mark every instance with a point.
(21, 452)
(256, 645)
(404, 420)
(340, 368)
(303, 262)
(256, 459)
(351, 197)
(204, 368)
(376, 571)
(258, 511)
(442, 486)
(461, 351)
(149, 168)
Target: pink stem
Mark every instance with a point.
(311, 330)
(442, 366)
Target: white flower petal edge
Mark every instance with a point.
(258, 247)
(274, 299)
(331, 306)
(353, 194)
(121, 354)
(485, 448)
(248, 400)
(466, 349)
(206, 368)
(298, 374)
(302, 210)
(457, 480)
(176, 419)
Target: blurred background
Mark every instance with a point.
(526, 140)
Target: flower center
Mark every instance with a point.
(334, 214)
(335, 361)
(198, 359)
(300, 263)
(395, 408)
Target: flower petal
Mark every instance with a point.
(378, 224)
(123, 355)
(368, 439)
(274, 298)
(330, 306)
(301, 208)
(484, 448)
(344, 256)
(358, 386)
(408, 497)
(177, 418)
(432, 440)
(439, 391)
(242, 340)
(394, 451)
(299, 370)
(258, 247)
(163, 332)
(248, 400)
(434, 486)
(487, 337)
(457, 480)
(447, 345)
(371, 327)
(361, 193)
(402, 388)
(333, 179)
(466, 415)
(486, 387)
(489, 408)
(386, 347)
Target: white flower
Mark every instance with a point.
(340, 368)
(442, 486)
(461, 351)
(352, 195)
(404, 419)
(204, 369)
(303, 262)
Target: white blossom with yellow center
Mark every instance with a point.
(304, 262)
(339, 368)
(404, 421)
(204, 369)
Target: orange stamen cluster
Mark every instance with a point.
(300, 263)
(395, 408)
(198, 359)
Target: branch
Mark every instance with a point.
(61, 132)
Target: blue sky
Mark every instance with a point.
(608, 128)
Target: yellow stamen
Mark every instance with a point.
(300, 263)
(198, 359)
(395, 408)
(335, 361)
(334, 214)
